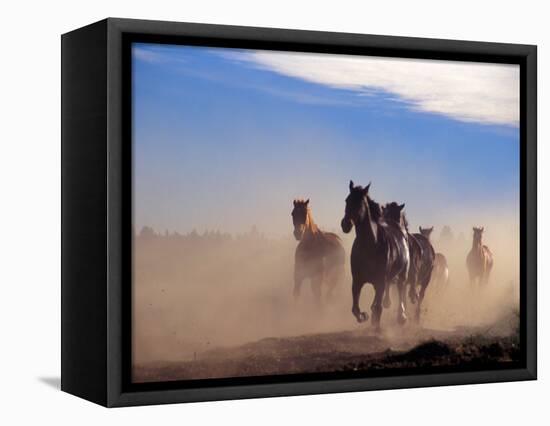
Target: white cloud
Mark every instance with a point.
(147, 55)
(465, 91)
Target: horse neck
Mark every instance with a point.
(311, 228)
(368, 228)
(476, 245)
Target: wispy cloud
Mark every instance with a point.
(147, 55)
(465, 91)
(181, 64)
(158, 54)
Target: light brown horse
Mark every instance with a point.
(479, 260)
(319, 257)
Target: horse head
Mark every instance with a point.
(357, 204)
(299, 217)
(394, 212)
(426, 231)
(478, 232)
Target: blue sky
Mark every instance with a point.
(225, 139)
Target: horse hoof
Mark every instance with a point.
(362, 317)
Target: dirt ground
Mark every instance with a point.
(358, 350)
(207, 306)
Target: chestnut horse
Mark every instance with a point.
(480, 259)
(380, 253)
(319, 257)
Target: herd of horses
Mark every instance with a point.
(384, 253)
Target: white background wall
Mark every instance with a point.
(30, 214)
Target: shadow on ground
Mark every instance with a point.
(53, 382)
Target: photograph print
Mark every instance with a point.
(303, 213)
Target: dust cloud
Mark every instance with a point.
(196, 292)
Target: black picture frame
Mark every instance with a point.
(97, 208)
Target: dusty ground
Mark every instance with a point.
(344, 351)
(220, 306)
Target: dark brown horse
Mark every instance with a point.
(421, 255)
(393, 214)
(479, 260)
(319, 256)
(380, 253)
(440, 274)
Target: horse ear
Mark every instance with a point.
(482, 229)
(350, 185)
(307, 202)
(367, 188)
(294, 202)
(420, 229)
(431, 229)
(402, 206)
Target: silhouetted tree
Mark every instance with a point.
(147, 232)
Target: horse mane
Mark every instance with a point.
(309, 215)
(405, 221)
(375, 209)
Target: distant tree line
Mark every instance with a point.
(148, 233)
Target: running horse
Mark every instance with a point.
(379, 256)
(421, 254)
(480, 259)
(440, 274)
(319, 257)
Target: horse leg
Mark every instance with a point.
(401, 316)
(331, 284)
(486, 273)
(387, 299)
(472, 279)
(298, 279)
(412, 279)
(437, 280)
(478, 280)
(356, 292)
(423, 285)
(316, 282)
(419, 304)
(443, 277)
(413, 295)
(376, 307)
(333, 278)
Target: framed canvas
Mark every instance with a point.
(255, 212)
